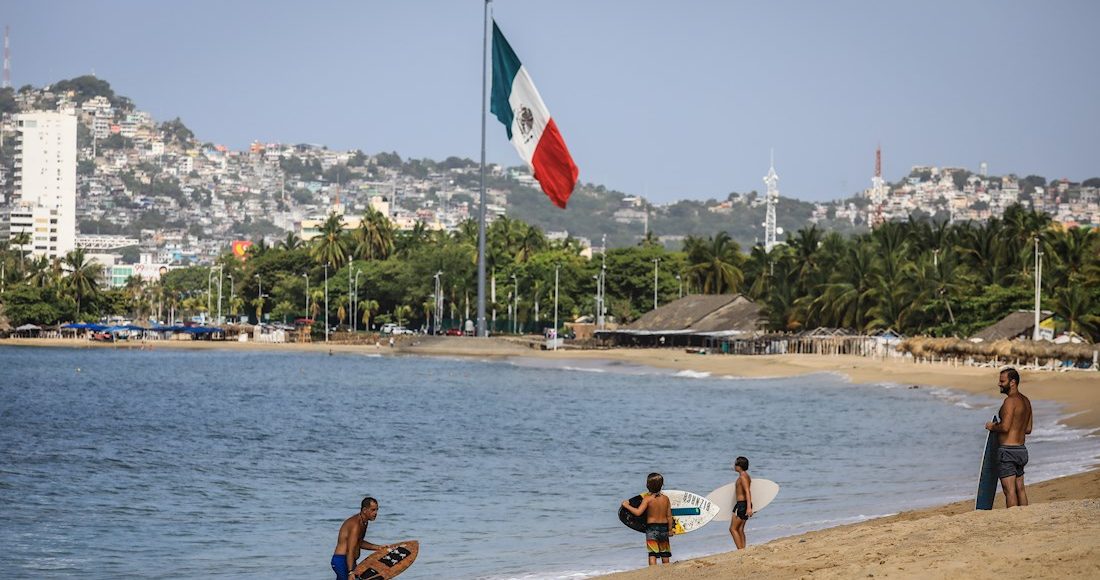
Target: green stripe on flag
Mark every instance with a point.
(505, 66)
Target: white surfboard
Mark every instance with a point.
(763, 492)
(690, 511)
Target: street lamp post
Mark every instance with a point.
(438, 297)
(355, 302)
(557, 267)
(515, 306)
(260, 298)
(602, 314)
(1038, 287)
(326, 301)
(680, 283)
(306, 276)
(221, 276)
(655, 262)
(599, 318)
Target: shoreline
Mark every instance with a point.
(1059, 533)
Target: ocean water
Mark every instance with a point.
(128, 463)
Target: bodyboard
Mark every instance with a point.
(763, 492)
(689, 512)
(988, 476)
(388, 562)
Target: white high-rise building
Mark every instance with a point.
(44, 205)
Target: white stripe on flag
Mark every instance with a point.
(530, 115)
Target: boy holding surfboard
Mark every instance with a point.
(742, 510)
(658, 519)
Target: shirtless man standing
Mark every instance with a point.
(351, 539)
(1015, 415)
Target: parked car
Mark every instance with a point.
(401, 330)
(454, 332)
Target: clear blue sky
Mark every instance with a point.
(673, 99)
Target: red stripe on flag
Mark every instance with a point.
(554, 167)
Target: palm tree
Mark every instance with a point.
(845, 301)
(369, 307)
(41, 275)
(983, 248)
(429, 307)
(409, 240)
(374, 238)
(331, 246)
(530, 241)
(82, 281)
(135, 294)
(467, 232)
(715, 263)
(1071, 251)
(402, 313)
(316, 296)
(258, 303)
(1080, 309)
(759, 269)
(341, 309)
(291, 242)
(21, 240)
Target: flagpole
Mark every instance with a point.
(482, 331)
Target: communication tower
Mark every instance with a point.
(7, 57)
(771, 180)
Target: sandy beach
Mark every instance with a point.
(1058, 535)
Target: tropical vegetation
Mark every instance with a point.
(916, 277)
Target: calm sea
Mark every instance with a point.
(117, 463)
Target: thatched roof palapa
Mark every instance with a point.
(702, 313)
(1019, 323)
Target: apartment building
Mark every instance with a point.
(44, 205)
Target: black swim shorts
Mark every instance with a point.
(740, 509)
(1012, 458)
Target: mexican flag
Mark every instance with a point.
(532, 131)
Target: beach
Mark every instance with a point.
(1055, 536)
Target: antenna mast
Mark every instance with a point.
(771, 179)
(7, 57)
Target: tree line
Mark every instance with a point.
(915, 276)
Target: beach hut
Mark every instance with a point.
(697, 320)
(28, 331)
(1015, 326)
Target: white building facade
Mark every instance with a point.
(45, 183)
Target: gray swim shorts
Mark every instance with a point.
(1013, 458)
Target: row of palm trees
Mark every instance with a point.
(916, 276)
(913, 276)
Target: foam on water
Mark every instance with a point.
(689, 374)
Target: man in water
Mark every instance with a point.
(1014, 425)
(351, 539)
